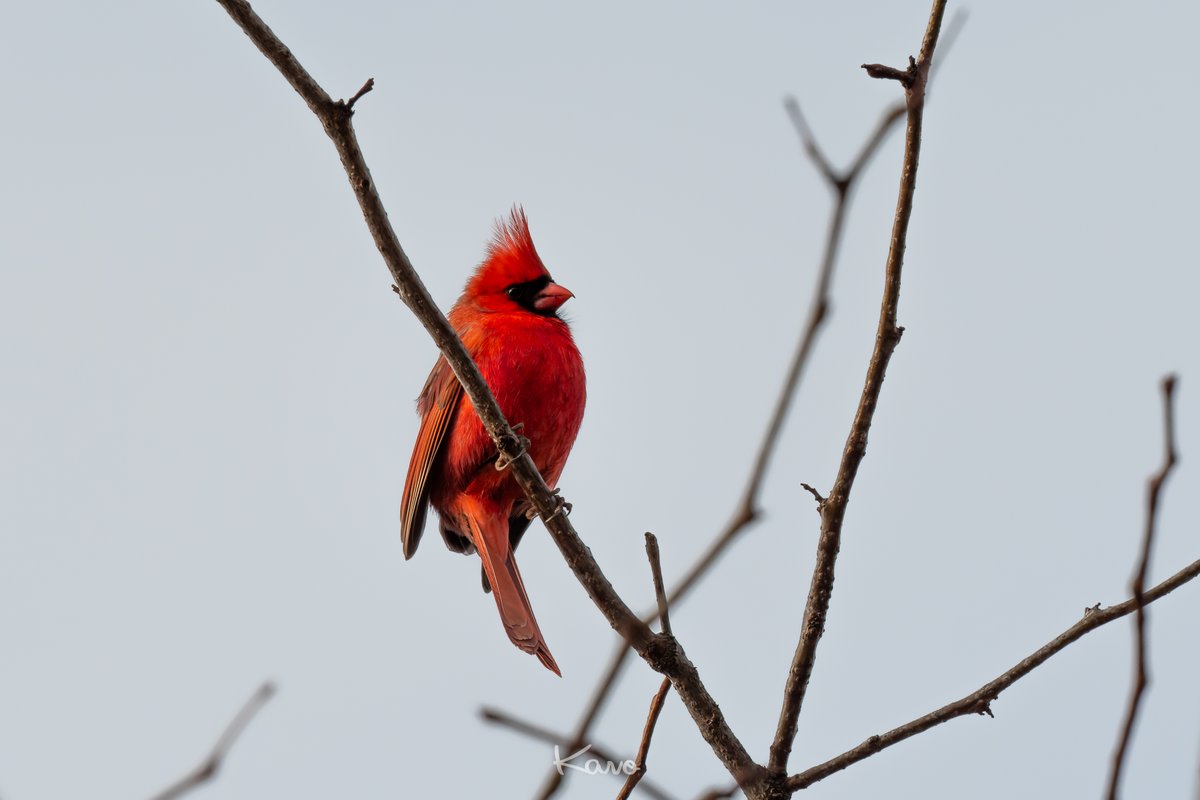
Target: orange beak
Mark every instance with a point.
(550, 298)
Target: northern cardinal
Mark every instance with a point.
(507, 317)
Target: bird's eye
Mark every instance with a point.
(511, 291)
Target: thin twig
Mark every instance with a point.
(979, 701)
(662, 654)
(656, 704)
(639, 764)
(366, 87)
(905, 76)
(505, 720)
(1137, 585)
(660, 592)
(809, 140)
(816, 496)
(886, 338)
(211, 765)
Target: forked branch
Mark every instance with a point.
(887, 336)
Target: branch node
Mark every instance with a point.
(1087, 612)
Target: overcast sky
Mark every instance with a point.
(208, 388)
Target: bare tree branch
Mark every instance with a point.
(661, 653)
(886, 338)
(979, 701)
(656, 706)
(506, 720)
(211, 765)
(1137, 586)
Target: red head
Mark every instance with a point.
(512, 277)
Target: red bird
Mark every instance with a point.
(507, 317)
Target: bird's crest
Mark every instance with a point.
(511, 258)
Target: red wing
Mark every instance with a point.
(430, 440)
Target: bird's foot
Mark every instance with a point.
(561, 507)
(502, 462)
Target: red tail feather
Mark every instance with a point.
(491, 540)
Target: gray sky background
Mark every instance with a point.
(208, 388)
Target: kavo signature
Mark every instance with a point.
(593, 766)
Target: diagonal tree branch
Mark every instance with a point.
(505, 720)
(212, 763)
(662, 653)
(1141, 677)
(979, 701)
(887, 336)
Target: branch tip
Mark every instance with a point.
(884, 72)
(816, 495)
(660, 591)
(366, 87)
